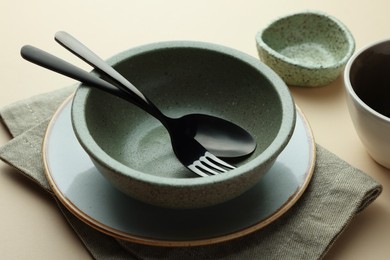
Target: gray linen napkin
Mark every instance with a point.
(335, 195)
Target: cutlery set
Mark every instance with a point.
(198, 140)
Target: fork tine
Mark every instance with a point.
(202, 168)
(207, 162)
(219, 161)
(207, 168)
(193, 167)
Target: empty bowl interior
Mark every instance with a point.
(180, 81)
(308, 38)
(370, 77)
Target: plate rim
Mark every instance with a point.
(89, 220)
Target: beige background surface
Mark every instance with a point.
(30, 224)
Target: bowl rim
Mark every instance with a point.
(347, 83)
(347, 33)
(267, 156)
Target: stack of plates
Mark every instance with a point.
(84, 191)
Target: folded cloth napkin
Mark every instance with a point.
(337, 193)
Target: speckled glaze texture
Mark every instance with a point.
(306, 49)
(133, 150)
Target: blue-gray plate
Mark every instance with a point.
(84, 191)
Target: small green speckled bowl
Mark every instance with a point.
(133, 150)
(306, 49)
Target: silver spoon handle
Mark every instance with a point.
(83, 52)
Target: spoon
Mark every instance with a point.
(220, 137)
(187, 150)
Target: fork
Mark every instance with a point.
(188, 151)
(197, 158)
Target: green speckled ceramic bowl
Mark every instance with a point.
(306, 49)
(133, 150)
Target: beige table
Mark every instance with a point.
(30, 224)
